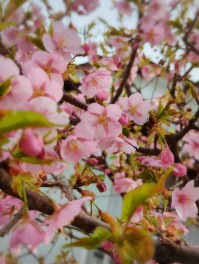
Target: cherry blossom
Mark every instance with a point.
(18, 84)
(165, 160)
(42, 85)
(84, 7)
(123, 184)
(135, 108)
(96, 81)
(103, 121)
(64, 41)
(31, 143)
(123, 8)
(28, 233)
(74, 148)
(115, 144)
(184, 200)
(192, 144)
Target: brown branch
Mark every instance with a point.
(184, 131)
(126, 75)
(167, 253)
(67, 97)
(149, 151)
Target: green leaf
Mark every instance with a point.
(135, 198)
(23, 119)
(20, 156)
(99, 235)
(5, 87)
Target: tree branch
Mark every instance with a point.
(191, 124)
(126, 75)
(67, 97)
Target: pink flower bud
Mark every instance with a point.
(101, 186)
(180, 170)
(123, 120)
(167, 157)
(143, 138)
(102, 95)
(107, 245)
(86, 48)
(92, 161)
(107, 171)
(31, 143)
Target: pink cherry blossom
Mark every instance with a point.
(27, 233)
(123, 184)
(18, 85)
(71, 109)
(179, 170)
(102, 95)
(31, 143)
(111, 64)
(184, 200)
(8, 207)
(84, 7)
(192, 144)
(157, 9)
(102, 121)
(123, 7)
(96, 81)
(74, 148)
(135, 108)
(42, 85)
(53, 64)
(64, 41)
(63, 216)
(165, 160)
(117, 41)
(115, 144)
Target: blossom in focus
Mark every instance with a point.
(96, 81)
(115, 144)
(184, 200)
(100, 121)
(135, 108)
(64, 41)
(74, 148)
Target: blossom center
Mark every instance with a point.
(73, 146)
(184, 199)
(102, 119)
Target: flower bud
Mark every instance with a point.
(101, 186)
(179, 170)
(31, 143)
(123, 120)
(102, 95)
